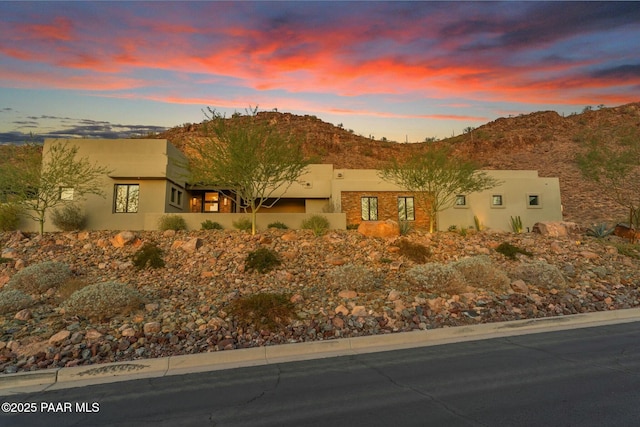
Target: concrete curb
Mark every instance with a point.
(60, 378)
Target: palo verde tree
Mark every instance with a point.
(40, 182)
(247, 156)
(615, 167)
(436, 176)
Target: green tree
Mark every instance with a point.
(247, 156)
(616, 167)
(39, 182)
(436, 176)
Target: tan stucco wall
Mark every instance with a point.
(194, 221)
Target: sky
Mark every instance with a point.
(404, 71)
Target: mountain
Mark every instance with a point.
(542, 141)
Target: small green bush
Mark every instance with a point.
(149, 255)
(38, 278)
(172, 222)
(262, 260)
(600, 231)
(69, 218)
(211, 225)
(352, 226)
(242, 224)
(317, 223)
(352, 277)
(263, 310)
(436, 277)
(510, 251)
(9, 216)
(414, 251)
(102, 301)
(13, 300)
(279, 225)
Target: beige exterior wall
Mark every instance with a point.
(159, 169)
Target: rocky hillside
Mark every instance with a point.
(342, 284)
(544, 141)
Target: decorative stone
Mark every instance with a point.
(23, 315)
(347, 294)
(192, 245)
(341, 309)
(393, 295)
(122, 239)
(555, 228)
(59, 337)
(152, 328)
(519, 286)
(359, 311)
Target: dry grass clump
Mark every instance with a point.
(69, 287)
(414, 251)
(263, 310)
(540, 274)
(38, 278)
(352, 277)
(102, 301)
(434, 277)
(479, 272)
(13, 300)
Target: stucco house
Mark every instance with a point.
(147, 179)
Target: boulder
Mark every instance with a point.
(385, 229)
(192, 245)
(555, 228)
(122, 239)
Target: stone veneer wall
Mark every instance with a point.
(387, 206)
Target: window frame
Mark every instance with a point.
(175, 198)
(538, 197)
(66, 193)
(462, 197)
(404, 209)
(370, 207)
(501, 205)
(128, 198)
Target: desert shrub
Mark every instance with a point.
(242, 224)
(352, 226)
(263, 310)
(627, 249)
(316, 223)
(600, 231)
(38, 278)
(436, 277)
(279, 225)
(416, 252)
(172, 222)
(516, 224)
(102, 301)
(210, 225)
(149, 255)
(262, 260)
(13, 300)
(69, 218)
(352, 277)
(540, 274)
(405, 227)
(478, 271)
(9, 216)
(510, 251)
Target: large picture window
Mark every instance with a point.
(126, 198)
(369, 207)
(406, 211)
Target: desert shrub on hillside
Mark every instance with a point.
(416, 252)
(9, 216)
(211, 225)
(352, 277)
(262, 260)
(149, 255)
(171, 222)
(478, 271)
(316, 223)
(279, 225)
(69, 218)
(102, 301)
(242, 224)
(38, 278)
(510, 251)
(13, 300)
(540, 274)
(434, 277)
(263, 310)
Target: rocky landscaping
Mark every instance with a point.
(69, 299)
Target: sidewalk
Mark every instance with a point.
(60, 378)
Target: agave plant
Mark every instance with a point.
(600, 230)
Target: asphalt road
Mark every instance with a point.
(580, 377)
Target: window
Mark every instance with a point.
(66, 193)
(211, 201)
(176, 197)
(461, 201)
(126, 198)
(497, 201)
(533, 201)
(406, 211)
(369, 207)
